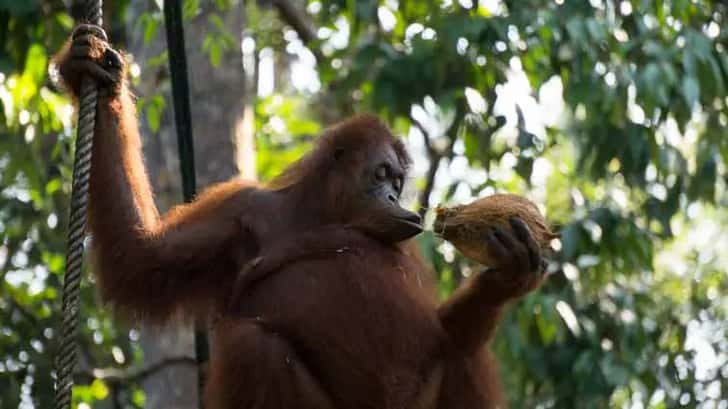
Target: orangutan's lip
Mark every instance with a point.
(414, 221)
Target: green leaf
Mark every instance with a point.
(53, 186)
(154, 109)
(547, 329)
(613, 372)
(153, 118)
(569, 240)
(222, 5)
(36, 62)
(99, 390)
(138, 398)
(690, 91)
(217, 22)
(596, 30)
(150, 28)
(190, 9)
(215, 54)
(53, 261)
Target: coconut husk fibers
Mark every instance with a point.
(465, 226)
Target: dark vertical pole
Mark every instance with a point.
(180, 94)
(183, 122)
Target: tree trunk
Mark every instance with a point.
(216, 95)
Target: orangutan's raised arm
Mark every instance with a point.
(147, 266)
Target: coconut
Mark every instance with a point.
(465, 226)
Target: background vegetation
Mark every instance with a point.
(611, 114)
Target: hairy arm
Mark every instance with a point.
(147, 266)
(471, 315)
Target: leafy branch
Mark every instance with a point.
(131, 375)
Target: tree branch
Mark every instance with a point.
(435, 158)
(295, 19)
(425, 137)
(424, 199)
(21, 309)
(300, 24)
(127, 375)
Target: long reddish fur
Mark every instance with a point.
(350, 329)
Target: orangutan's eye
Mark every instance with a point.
(380, 174)
(397, 184)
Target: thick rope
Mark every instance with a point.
(66, 354)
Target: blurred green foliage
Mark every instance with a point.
(611, 114)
